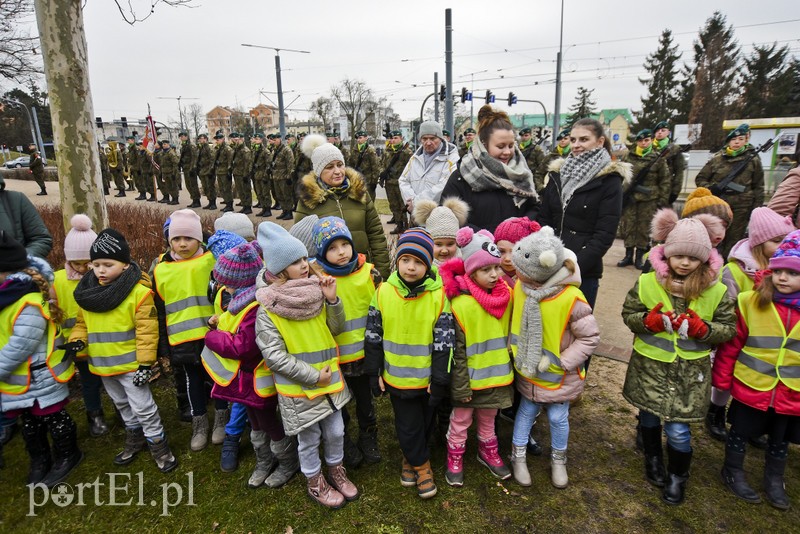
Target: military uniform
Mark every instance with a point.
(540, 174)
(36, 167)
(241, 164)
(222, 164)
(146, 172)
(132, 168)
(464, 148)
(364, 159)
(205, 170)
(391, 178)
(652, 193)
(534, 156)
(105, 173)
(170, 174)
(282, 173)
(116, 167)
(675, 161)
(260, 169)
(188, 164)
(302, 166)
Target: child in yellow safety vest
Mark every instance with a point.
(678, 312)
(408, 343)
(553, 333)
(761, 369)
(481, 374)
(33, 374)
(300, 315)
(356, 280)
(118, 322)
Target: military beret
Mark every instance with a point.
(525, 131)
(130, 137)
(258, 135)
(647, 132)
(204, 135)
(288, 136)
(742, 129)
(164, 141)
(395, 133)
(235, 135)
(563, 134)
(362, 133)
(662, 124)
(446, 132)
(469, 130)
(270, 136)
(183, 134)
(301, 135)
(219, 135)
(330, 134)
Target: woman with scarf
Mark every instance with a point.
(493, 177)
(582, 201)
(331, 188)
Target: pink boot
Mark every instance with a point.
(488, 456)
(455, 464)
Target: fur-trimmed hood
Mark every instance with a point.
(614, 166)
(312, 193)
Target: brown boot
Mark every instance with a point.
(408, 477)
(425, 485)
(320, 491)
(337, 476)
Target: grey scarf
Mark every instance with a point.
(92, 296)
(484, 173)
(528, 360)
(578, 170)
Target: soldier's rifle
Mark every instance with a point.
(543, 138)
(727, 184)
(385, 174)
(636, 186)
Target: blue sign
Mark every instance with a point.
(616, 137)
(468, 97)
(491, 99)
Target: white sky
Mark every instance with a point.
(196, 53)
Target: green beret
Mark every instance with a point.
(647, 132)
(219, 135)
(270, 136)
(395, 133)
(525, 131)
(469, 130)
(235, 135)
(203, 135)
(258, 135)
(288, 136)
(563, 134)
(164, 141)
(446, 132)
(183, 134)
(301, 135)
(130, 138)
(330, 134)
(742, 129)
(662, 124)
(362, 133)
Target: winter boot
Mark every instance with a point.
(628, 259)
(66, 453)
(352, 455)
(142, 196)
(337, 477)
(163, 456)
(489, 457)
(653, 456)
(558, 469)
(229, 459)
(34, 432)
(220, 420)
(677, 476)
(408, 477)
(640, 258)
(42, 193)
(247, 210)
(195, 203)
(120, 193)
(454, 475)
(134, 443)
(199, 432)
(519, 464)
(734, 478)
(774, 486)
(97, 423)
(320, 491)
(285, 452)
(265, 460)
(760, 442)
(212, 205)
(368, 443)
(715, 422)
(426, 488)
(266, 212)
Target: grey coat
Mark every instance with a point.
(19, 218)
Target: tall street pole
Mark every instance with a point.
(448, 63)
(436, 100)
(557, 110)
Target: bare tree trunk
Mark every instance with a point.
(67, 73)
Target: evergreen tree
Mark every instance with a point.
(766, 84)
(661, 102)
(583, 107)
(793, 99)
(685, 94)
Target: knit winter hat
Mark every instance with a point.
(703, 201)
(682, 237)
(304, 231)
(788, 254)
(79, 239)
(515, 228)
(326, 231)
(110, 244)
(443, 221)
(239, 266)
(538, 256)
(320, 152)
(765, 224)
(416, 242)
(185, 223)
(13, 256)
(237, 223)
(280, 248)
(430, 128)
(222, 241)
(477, 249)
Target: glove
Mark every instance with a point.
(698, 328)
(544, 363)
(438, 393)
(715, 190)
(142, 375)
(72, 348)
(656, 322)
(375, 387)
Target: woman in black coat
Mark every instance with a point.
(583, 200)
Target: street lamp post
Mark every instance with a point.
(556, 111)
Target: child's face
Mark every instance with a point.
(786, 281)
(298, 269)
(505, 248)
(184, 247)
(340, 252)
(772, 245)
(487, 277)
(683, 265)
(444, 248)
(108, 270)
(411, 268)
(80, 266)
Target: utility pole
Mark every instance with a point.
(180, 109)
(556, 111)
(436, 100)
(38, 134)
(448, 65)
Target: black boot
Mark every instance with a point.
(135, 442)
(42, 193)
(392, 220)
(640, 255)
(151, 198)
(173, 200)
(715, 422)
(195, 203)
(284, 216)
(275, 206)
(678, 475)
(120, 193)
(628, 259)
(247, 210)
(164, 200)
(352, 455)
(264, 213)
(653, 456)
(141, 196)
(774, 486)
(105, 191)
(226, 209)
(734, 479)
(212, 205)
(97, 423)
(65, 447)
(34, 432)
(368, 443)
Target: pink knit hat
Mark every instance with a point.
(79, 239)
(185, 223)
(477, 249)
(684, 237)
(765, 224)
(515, 228)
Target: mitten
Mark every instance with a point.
(697, 328)
(142, 375)
(72, 348)
(544, 363)
(655, 320)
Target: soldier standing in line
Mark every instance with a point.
(282, 174)
(648, 195)
(132, 166)
(534, 155)
(744, 192)
(116, 167)
(337, 142)
(273, 191)
(126, 175)
(204, 168)
(188, 164)
(145, 171)
(261, 162)
(170, 172)
(36, 167)
(364, 159)
(560, 150)
(446, 135)
(241, 164)
(222, 164)
(160, 186)
(302, 163)
(469, 135)
(395, 158)
(105, 173)
(675, 161)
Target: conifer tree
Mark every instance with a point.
(662, 82)
(766, 84)
(583, 106)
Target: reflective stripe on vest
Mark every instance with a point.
(408, 335)
(64, 289)
(666, 347)
(356, 291)
(769, 354)
(742, 281)
(309, 341)
(555, 312)
(264, 381)
(488, 362)
(183, 286)
(112, 335)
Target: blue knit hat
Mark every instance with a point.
(788, 254)
(239, 266)
(418, 243)
(222, 241)
(326, 231)
(280, 248)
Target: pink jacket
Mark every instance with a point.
(787, 196)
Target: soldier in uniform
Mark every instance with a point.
(261, 161)
(273, 191)
(534, 155)
(337, 142)
(560, 150)
(364, 159)
(132, 166)
(170, 173)
(446, 135)
(674, 158)
(36, 167)
(469, 135)
(157, 171)
(241, 165)
(116, 167)
(222, 165)
(302, 163)
(145, 171)
(105, 173)
(282, 173)
(391, 169)
(744, 193)
(188, 164)
(204, 168)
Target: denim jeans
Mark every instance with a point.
(679, 436)
(589, 288)
(557, 415)
(237, 420)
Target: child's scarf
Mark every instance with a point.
(299, 299)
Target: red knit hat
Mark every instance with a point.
(515, 228)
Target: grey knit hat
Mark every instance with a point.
(280, 248)
(303, 230)
(320, 152)
(431, 128)
(236, 223)
(538, 256)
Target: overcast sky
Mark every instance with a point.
(395, 47)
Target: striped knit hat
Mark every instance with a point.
(239, 266)
(418, 243)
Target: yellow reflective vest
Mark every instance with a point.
(556, 312)
(742, 281)
(769, 355)
(356, 291)
(666, 347)
(65, 290)
(183, 286)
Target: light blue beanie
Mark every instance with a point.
(280, 248)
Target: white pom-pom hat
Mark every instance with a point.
(320, 152)
(79, 239)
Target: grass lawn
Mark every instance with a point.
(607, 491)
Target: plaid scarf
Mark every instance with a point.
(484, 173)
(579, 169)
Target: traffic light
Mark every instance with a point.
(512, 98)
(98, 121)
(442, 93)
(124, 121)
(387, 130)
(463, 94)
(489, 97)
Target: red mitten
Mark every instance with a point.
(698, 329)
(654, 320)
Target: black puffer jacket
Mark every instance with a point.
(588, 223)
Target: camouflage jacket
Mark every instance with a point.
(540, 172)
(302, 164)
(397, 169)
(282, 163)
(241, 161)
(657, 185)
(36, 164)
(105, 172)
(751, 177)
(169, 163)
(463, 149)
(677, 167)
(222, 159)
(344, 151)
(534, 155)
(143, 162)
(366, 162)
(131, 159)
(205, 160)
(262, 158)
(188, 159)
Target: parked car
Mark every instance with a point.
(22, 161)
